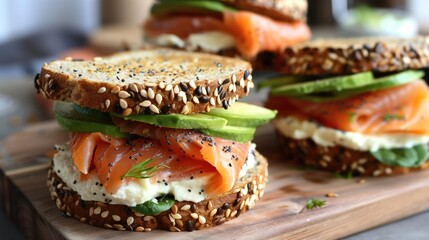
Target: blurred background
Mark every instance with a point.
(33, 32)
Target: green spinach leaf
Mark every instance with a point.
(155, 207)
(402, 157)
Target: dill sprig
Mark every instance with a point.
(315, 203)
(141, 169)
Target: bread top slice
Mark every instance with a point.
(353, 55)
(150, 81)
(284, 10)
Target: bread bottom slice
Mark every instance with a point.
(182, 216)
(337, 159)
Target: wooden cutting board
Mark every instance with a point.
(281, 214)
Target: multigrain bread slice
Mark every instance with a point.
(346, 56)
(284, 10)
(182, 216)
(150, 81)
(338, 159)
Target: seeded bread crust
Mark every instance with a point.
(182, 216)
(346, 56)
(337, 159)
(148, 81)
(284, 10)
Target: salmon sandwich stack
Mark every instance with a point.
(354, 106)
(253, 30)
(156, 140)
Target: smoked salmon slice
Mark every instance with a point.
(403, 108)
(252, 32)
(182, 154)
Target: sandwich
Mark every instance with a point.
(156, 140)
(252, 30)
(354, 106)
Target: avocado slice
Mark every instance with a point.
(191, 121)
(338, 83)
(78, 119)
(378, 84)
(244, 115)
(75, 125)
(188, 6)
(74, 111)
(235, 133)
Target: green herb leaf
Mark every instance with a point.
(403, 157)
(141, 169)
(155, 206)
(315, 203)
(389, 117)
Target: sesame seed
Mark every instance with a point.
(194, 215)
(195, 100)
(148, 218)
(116, 218)
(154, 109)
(212, 101)
(361, 169)
(234, 78)
(139, 229)
(104, 214)
(361, 181)
(123, 103)
(213, 212)
(134, 88)
(174, 229)
(231, 87)
(176, 216)
(201, 219)
(216, 92)
(143, 93)
(210, 205)
(130, 220)
(185, 207)
(203, 91)
(123, 94)
(161, 85)
(150, 93)
(97, 210)
(145, 103)
(241, 82)
(176, 89)
(158, 98)
(47, 75)
(127, 112)
(101, 90)
(106, 225)
(183, 86)
(168, 87)
(249, 77)
(174, 209)
(388, 171)
(115, 90)
(192, 84)
(331, 195)
(185, 110)
(227, 213)
(148, 229)
(376, 172)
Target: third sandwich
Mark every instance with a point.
(253, 30)
(354, 106)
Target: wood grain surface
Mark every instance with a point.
(281, 214)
